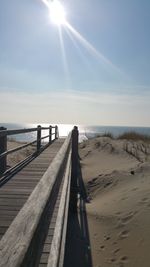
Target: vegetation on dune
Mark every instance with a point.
(134, 136)
(107, 134)
(131, 135)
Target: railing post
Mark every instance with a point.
(3, 148)
(38, 137)
(74, 170)
(56, 131)
(50, 134)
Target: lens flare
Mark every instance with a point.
(57, 13)
(58, 17)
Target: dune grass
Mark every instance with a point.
(106, 134)
(131, 135)
(134, 136)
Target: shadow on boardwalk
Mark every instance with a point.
(78, 249)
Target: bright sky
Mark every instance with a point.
(94, 69)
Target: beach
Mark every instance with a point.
(16, 157)
(116, 174)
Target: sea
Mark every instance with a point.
(85, 132)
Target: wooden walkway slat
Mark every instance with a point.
(16, 191)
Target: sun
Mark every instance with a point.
(57, 13)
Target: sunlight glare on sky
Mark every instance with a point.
(65, 50)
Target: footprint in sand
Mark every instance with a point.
(124, 198)
(135, 189)
(124, 258)
(94, 179)
(116, 251)
(112, 260)
(127, 218)
(106, 238)
(144, 200)
(124, 234)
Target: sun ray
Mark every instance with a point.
(91, 48)
(58, 17)
(64, 59)
(46, 2)
(78, 48)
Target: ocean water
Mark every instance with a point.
(85, 132)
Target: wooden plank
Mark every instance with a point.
(49, 239)
(8, 212)
(46, 248)
(44, 258)
(3, 230)
(10, 195)
(15, 242)
(7, 202)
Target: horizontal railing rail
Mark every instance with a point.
(18, 240)
(22, 131)
(53, 134)
(16, 149)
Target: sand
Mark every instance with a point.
(113, 224)
(16, 157)
(116, 174)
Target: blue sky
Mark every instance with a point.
(107, 86)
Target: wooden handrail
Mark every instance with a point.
(16, 149)
(15, 244)
(55, 253)
(3, 142)
(21, 131)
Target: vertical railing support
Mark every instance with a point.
(50, 134)
(3, 148)
(56, 132)
(74, 170)
(38, 138)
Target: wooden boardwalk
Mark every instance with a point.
(34, 205)
(17, 190)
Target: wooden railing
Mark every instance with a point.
(18, 240)
(52, 135)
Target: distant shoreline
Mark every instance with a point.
(84, 131)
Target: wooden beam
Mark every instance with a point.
(58, 233)
(74, 170)
(3, 149)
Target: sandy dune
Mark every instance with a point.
(116, 174)
(16, 157)
(117, 177)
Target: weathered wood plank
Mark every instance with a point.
(44, 258)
